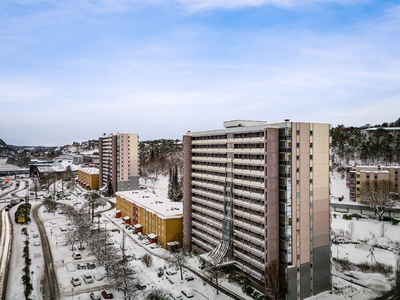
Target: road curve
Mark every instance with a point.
(51, 289)
(5, 250)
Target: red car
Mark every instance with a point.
(107, 295)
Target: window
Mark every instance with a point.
(358, 175)
(298, 256)
(311, 217)
(376, 177)
(298, 207)
(358, 182)
(311, 205)
(311, 229)
(298, 219)
(311, 193)
(311, 181)
(310, 169)
(297, 181)
(297, 170)
(297, 194)
(298, 231)
(311, 133)
(297, 157)
(310, 145)
(311, 156)
(297, 145)
(310, 241)
(298, 245)
(298, 132)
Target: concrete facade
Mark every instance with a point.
(119, 161)
(276, 179)
(359, 175)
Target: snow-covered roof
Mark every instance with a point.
(374, 171)
(152, 236)
(163, 207)
(89, 170)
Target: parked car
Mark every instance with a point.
(110, 242)
(188, 292)
(81, 266)
(189, 278)
(76, 281)
(95, 296)
(107, 295)
(91, 265)
(114, 229)
(98, 275)
(63, 228)
(36, 243)
(76, 255)
(87, 278)
(128, 257)
(171, 272)
(140, 286)
(35, 235)
(175, 295)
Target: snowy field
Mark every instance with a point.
(358, 237)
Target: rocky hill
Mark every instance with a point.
(5, 150)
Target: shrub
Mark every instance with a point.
(335, 215)
(347, 217)
(147, 260)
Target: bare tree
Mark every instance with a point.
(122, 277)
(178, 259)
(147, 260)
(379, 196)
(83, 227)
(50, 204)
(275, 281)
(396, 285)
(156, 293)
(71, 238)
(94, 201)
(215, 272)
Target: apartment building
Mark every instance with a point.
(269, 184)
(359, 175)
(159, 218)
(119, 161)
(89, 177)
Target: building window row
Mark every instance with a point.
(246, 188)
(208, 172)
(209, 146)
(208, 164)
(248, 210)
(207, 190)
(247, 135)
(209, 137)
(249, 156)
(249, 146)
(208, 181)
(259, 179)
(210, 155)
(245, 167)
(249, 199)
(249, 222)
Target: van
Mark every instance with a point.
(175, 295)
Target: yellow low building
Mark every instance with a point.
(89, 178)
(158, 216)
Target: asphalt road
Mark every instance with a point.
(51, 289)
(5, 246)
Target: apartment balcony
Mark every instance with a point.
(221, 141)
(209, 150)
(248, 161)
(212, 241)
(250, 271)
(249, 216)
(249, 172)
(207, 194)
(250, 205)
(208, 185)
(240, 224)
(248, 193)
(254, 240)
(249, 183)
(209, 213)
(212, 159)
(215, 225)
(249, 260)
(209, 203)
(249, 140)
(199, 243)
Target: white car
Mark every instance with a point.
(87, 278)
(76, 281)
(36, 243)
(188, 292)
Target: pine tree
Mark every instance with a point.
(170, 193)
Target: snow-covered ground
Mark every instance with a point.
(362, 234)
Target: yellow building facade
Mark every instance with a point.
(157, 215)
(89, 177)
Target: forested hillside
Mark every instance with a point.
(158, 156)
(381, 147)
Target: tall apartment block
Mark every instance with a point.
(359, 175)
(119, 161)
(256, 192)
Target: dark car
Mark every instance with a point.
(91, 265)
(107, 295)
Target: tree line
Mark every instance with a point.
(382, 146)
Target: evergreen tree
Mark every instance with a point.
(170, 193)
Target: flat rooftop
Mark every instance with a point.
(89, 170)
(163, 207)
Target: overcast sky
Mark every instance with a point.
(71, 70)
